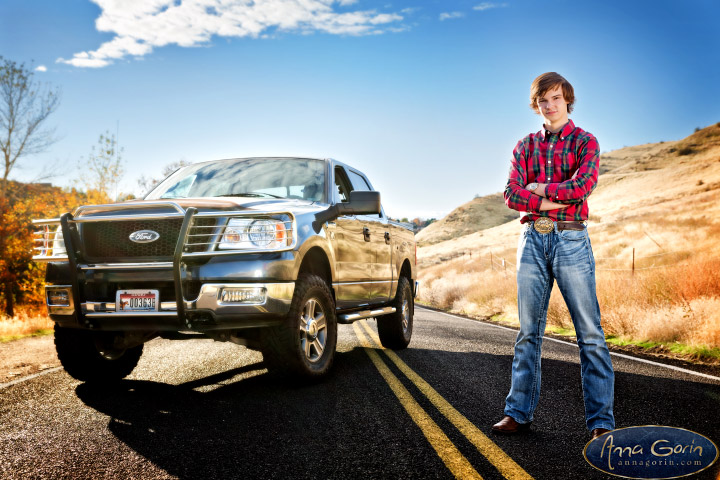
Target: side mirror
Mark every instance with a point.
(361, 203)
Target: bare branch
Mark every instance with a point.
(25, 105)
(50, 171)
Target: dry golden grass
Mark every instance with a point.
(651, 200)
(677, 303)
(24, 323)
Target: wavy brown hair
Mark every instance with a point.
(547, 81)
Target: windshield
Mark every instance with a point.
(299, 178)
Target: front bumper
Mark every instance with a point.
(212, 309)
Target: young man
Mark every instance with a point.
(552, 174)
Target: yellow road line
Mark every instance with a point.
(446, 450)
(496, 456)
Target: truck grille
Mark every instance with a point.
(110, 241)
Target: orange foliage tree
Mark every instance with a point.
(21, 279)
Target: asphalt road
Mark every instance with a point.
(202, 409)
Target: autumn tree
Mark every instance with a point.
(103, 169)
(21, 279)
(25, 105)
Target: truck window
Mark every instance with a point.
(358, 182)
(280, 177)
(342, 184)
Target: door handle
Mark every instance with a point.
(387, 238)
(366, 234)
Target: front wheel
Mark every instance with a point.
(93, 356)
(395, 329)
(305, 343)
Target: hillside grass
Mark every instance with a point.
(674, 309)
(25, 323)
(478, 214)
(653, 202)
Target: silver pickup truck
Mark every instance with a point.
(270, 253)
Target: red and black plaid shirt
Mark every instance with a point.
(568, 161)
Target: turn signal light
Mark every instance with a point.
(58, 298)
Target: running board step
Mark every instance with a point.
(351, 317)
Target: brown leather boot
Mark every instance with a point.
(508, 426)
(598, 431)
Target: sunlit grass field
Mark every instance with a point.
(677, 307)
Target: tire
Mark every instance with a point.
(304, 345)
(90, 357)
(395, 329)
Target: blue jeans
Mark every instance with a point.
(565, 256)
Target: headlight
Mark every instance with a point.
(243, 233)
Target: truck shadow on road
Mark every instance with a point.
(351, 425)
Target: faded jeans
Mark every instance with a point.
(565, 256)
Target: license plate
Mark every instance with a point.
(137, 300)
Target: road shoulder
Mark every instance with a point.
(629, 350)
(26, 356)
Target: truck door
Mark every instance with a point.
(355, 255)
(377, 233)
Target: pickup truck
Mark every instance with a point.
(270, 253)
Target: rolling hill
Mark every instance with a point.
(636, 184)
(478, 214)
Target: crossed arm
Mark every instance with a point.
(546, 204)
(553, 196)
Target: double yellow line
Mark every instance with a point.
(446, 450)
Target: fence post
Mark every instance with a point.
(633, 264)
(492, 263)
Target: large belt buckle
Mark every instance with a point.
(543, 225)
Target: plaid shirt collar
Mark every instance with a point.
(566, 130)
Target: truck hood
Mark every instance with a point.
(203, 204)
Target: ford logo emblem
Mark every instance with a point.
(144, 236)
(651, 451)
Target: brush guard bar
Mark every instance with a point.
(54, 234)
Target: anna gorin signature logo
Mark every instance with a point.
(144, 236)
(651, 451)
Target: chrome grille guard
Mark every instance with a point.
(50, 238)
(59, 239)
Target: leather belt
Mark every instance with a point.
(546, 225)
(571, 226)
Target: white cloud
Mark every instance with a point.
(451, 15)
(142, 25)
(489, 5)
(41, 68)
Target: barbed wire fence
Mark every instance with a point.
(499, 263)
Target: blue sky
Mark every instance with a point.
(428, 98)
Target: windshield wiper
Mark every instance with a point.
(249, 194)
